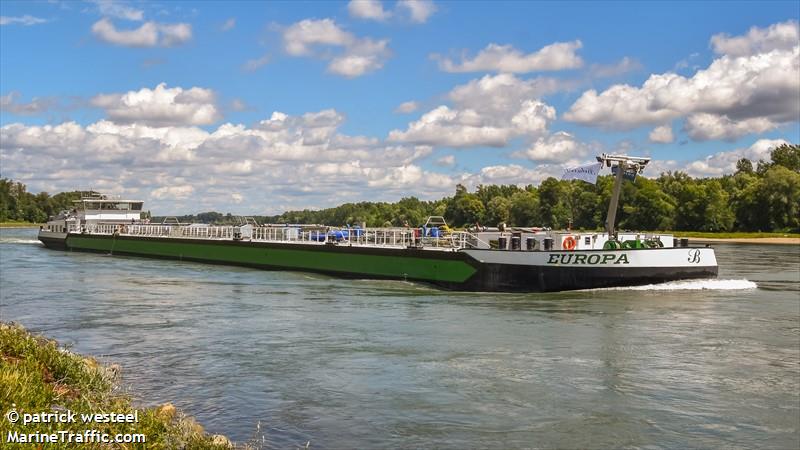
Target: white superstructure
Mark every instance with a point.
(92, 211)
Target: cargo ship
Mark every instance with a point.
(502, 259)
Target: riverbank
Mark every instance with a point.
(704, 237)
(42, 383)
(763, 240)
(731, 234)
(19, 225)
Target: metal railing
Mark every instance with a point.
(367, 237)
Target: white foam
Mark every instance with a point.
(692, 285)
(19, 241)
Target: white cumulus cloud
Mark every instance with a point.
(502, 93)
(269, 164)
(486, 112)
(355, 56)
(753, 87)
(507, 59)
(363, 56)
(368, 9)
(161, 106)
(149, 34)
(298, 38)
(779, 36)
(446, 161)
(419, 11)
(453, 128)
(173, 192)
(10, 103)
(407, 107)
(662, 135)
(559, 147)
(705, 127)
(511, 174)
(722, 163)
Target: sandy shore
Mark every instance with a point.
(770, 240)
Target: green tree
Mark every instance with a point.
(751, 213)
(744, 165)
(650, 208)
(552, 210)
(718, 213)
(703, 206)
(524, 209)
(468, 210)
(780, 191)
(584, 204)
(498, 210)
(787, 155)
(411, 211)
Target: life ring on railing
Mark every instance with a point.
(569, 243)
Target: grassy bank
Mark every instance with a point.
(730, 235)
(18, 224)
(37, 376)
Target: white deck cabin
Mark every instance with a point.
(105, 210)
(92, 211)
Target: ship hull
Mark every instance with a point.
(518, 278)
(53, 240)
(465, 270)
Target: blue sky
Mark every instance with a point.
(257, 107)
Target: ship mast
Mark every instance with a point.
(623, 163)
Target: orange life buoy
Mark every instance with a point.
(569, 243)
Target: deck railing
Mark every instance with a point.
(368, 237)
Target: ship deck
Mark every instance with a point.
(389, 238)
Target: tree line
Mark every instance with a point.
(764, 196)
(18, 205)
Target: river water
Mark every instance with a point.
(278, 359)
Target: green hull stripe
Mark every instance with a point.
(384, 265)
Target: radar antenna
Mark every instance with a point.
(623, 163)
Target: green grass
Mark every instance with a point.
(36, 376)
(730, 235)
(719, 234)
(18, 223)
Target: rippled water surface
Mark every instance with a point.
(372, 364)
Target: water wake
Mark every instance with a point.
(692, 285)
(19, 241)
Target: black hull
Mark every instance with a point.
(517, 278)
(54, 243)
